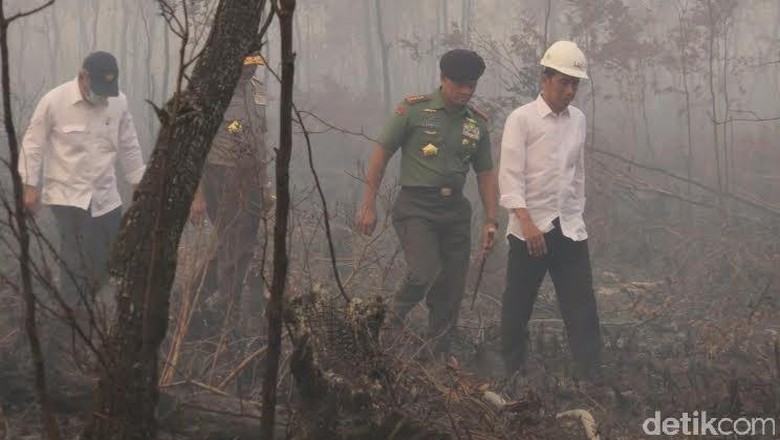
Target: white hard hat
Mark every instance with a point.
(567, 58)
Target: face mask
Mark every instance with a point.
(96, 99)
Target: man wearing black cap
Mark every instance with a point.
(76, 135)
(440, 136)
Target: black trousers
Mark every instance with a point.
(435, 234)
(85, 247)
(568, 262)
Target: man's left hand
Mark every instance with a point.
(488, 236)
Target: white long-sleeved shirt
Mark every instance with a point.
(542, 168)
(77, 145)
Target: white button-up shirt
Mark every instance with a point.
(542, 168)
(77, 145)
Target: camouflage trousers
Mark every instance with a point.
(434, 228)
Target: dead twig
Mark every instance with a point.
(51, 430)
(247, 360)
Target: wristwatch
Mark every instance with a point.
(492, 220)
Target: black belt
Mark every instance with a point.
(443, 191)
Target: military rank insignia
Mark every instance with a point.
(400, 110)
(254, 60)
(430, 150)
(471, 129)
(414, 99)
(235, 127)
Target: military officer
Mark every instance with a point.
(440, 137)
(232, 191)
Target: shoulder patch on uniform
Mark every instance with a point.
(414, 99)
(479, 112)
(255, 60)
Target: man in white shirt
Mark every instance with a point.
(541, 180)
(76, 135)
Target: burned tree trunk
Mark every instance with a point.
(144, 259)
(384, 48)
(275, 305)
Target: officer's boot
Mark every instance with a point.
(406, 297)
(441, 330)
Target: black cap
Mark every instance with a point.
(462, 65)
(103, 73)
